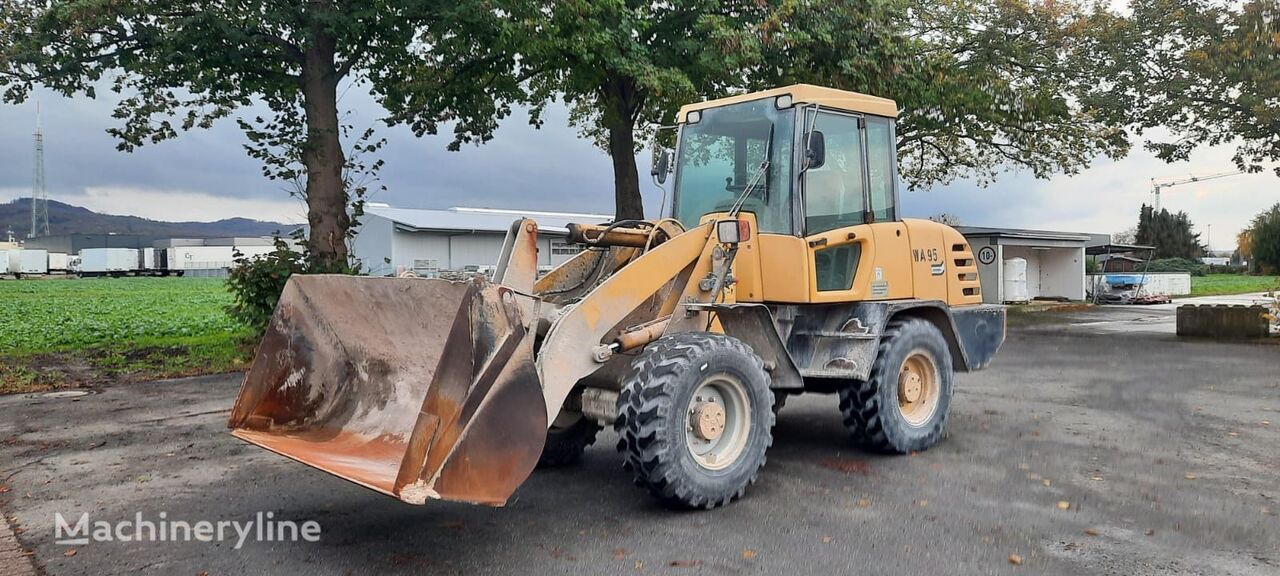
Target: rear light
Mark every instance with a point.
(733, 231)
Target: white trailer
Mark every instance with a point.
(33, 262)
(10, 261)
(252, 252)
(198, 260)
(59, 262)
(108, 261)
(146, 259)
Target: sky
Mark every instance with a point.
(204, 175)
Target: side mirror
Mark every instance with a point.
(661, 166)
(816, 154)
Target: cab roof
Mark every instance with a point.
(808, 94)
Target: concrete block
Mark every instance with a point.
(1222, 321)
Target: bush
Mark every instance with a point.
(256, 284)
(1226, 269)
(1177, 265)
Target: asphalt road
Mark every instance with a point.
(1165, 454)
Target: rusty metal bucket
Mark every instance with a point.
(417, 388)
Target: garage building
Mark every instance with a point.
(1054, 261)
(457, 239)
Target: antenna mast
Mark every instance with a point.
(39, 194)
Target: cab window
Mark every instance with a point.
(721, 155)
(880, 152)
(833, 192)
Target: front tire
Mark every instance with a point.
(695, 419)
(903, 406)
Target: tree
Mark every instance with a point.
(184, 64)
(1208, 72)
(621, 65)
(1127, 236)
(1170, 234)
(982, 86)
(946, 218)
(1263, 241)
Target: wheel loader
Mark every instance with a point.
(781, 266)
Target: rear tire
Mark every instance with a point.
(903, 406)
(565, 445)
(695, 419)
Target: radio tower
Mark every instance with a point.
(39, 195)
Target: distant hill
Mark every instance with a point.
(68, 219)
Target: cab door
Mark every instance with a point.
(857, 247)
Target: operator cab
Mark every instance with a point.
(821, 168)
(844, 175)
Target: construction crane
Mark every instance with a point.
(1157, 186)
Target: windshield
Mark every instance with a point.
(720, 154)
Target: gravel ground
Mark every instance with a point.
(1122, 452)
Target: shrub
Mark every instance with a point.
(1226, 269)
(1177, 265)
(256, 284)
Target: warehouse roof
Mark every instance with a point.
(981, 231)
(462, 219)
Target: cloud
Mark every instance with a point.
(176, 205)
(205, 174)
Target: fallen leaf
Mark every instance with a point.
(1233, 433)
(685, 563)
(639, 565)
(847, 465)
(922, 503)
(826, 539)
(69, 553)
(619, 553)
(1096, 477)
(1091, 531)
(1015, 559)
(1047, 482)
(1190, 476)
(203, 573)
(1266, 422)
(1064, 505)
(748, 554)
(4, 489)
(19, 530)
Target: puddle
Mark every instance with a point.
(66, 394)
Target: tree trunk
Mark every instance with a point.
(620, 121)
(324, 159)
(626, 177)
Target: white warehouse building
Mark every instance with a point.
(458, 239)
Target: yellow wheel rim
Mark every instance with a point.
(918, 388)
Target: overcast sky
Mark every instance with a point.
(205, 175)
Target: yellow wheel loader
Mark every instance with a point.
(783, 267)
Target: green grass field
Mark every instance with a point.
(1222, 284)
(56, 333)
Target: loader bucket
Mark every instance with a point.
(416, 388)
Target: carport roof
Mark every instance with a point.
(1116, 249)
(1046, 235)
(471, 220)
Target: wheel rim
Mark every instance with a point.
(918, 386)
(718, 422)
